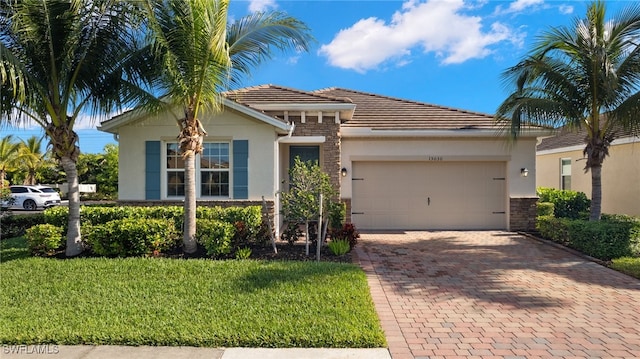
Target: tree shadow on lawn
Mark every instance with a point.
(272, 274)
(496, 267)
(12, 249)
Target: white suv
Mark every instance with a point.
(31, 198)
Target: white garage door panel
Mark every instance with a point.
(429, 195)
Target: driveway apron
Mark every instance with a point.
(497, 295)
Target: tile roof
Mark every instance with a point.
(263, 94)
(372, 111)
(388, 113)
(566, 137)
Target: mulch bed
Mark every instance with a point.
(286, 251)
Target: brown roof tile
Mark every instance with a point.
(276, 94)
(388, 113)
(567, 137)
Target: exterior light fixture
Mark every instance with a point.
(524, 172)
(343, 172)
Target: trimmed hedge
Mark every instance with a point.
(215, 236)
(566, 204)
(605, 239)
(15, 225)
(44, 239)
(545, 209)
(250, 216)
(132, 237)
(130, 230)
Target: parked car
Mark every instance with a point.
(31, 198)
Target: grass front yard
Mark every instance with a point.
(149, 301)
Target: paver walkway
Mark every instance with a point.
(497, 295)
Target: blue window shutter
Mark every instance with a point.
(152, 170)
(240, 169)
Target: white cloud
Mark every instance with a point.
(520, 5)
(566, 9)
(261, 5)
(436, 26)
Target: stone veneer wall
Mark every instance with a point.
(523, 214)
(330, 149)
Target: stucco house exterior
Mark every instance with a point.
(560, 165)
(398, 164)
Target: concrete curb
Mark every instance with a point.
(151, 352)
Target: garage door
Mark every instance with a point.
(429, 195)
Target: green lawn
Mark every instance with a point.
(146, 301)
(628, 265)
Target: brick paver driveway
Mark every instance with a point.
(497, 295)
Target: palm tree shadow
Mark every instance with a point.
(500, 270)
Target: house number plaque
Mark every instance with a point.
(434, 158)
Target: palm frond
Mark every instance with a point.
(253, 38)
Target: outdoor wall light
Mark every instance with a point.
(524, 172)
(343, 172)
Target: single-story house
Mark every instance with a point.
(560, 164)
(398, 164)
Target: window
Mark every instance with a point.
(565, 173)
(212, 170)
(175, 171)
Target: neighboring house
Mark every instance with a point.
(398, 164)
(560, 164)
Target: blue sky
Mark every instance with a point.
(444, 52)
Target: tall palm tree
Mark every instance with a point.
(198, 56)
(585, 76)
(31, 158)
(60, 59)
(8, 157)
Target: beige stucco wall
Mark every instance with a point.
(228, 126)
(520, 155)
(620, 176)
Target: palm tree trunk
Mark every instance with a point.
(74, 239)
(596, 192)
(189, 235)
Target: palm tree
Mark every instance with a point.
(31, 158)
(8, 157)
(583, 77)
(60, 59)
(198, 56)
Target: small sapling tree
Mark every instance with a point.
(301, 204)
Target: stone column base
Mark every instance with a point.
(523, 212)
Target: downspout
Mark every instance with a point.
(276, 201)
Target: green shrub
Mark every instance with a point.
(215, 236)
(15, 225)
(243, 253)
(291, 233)
(337, 214)
(132, 237)
(247, 220)
(567, 204)
(348, 232)
(605, 239)
(555, 229)
(339, 246)
(58, 216)
(44, 239)
(628, 265)
(545, 209)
